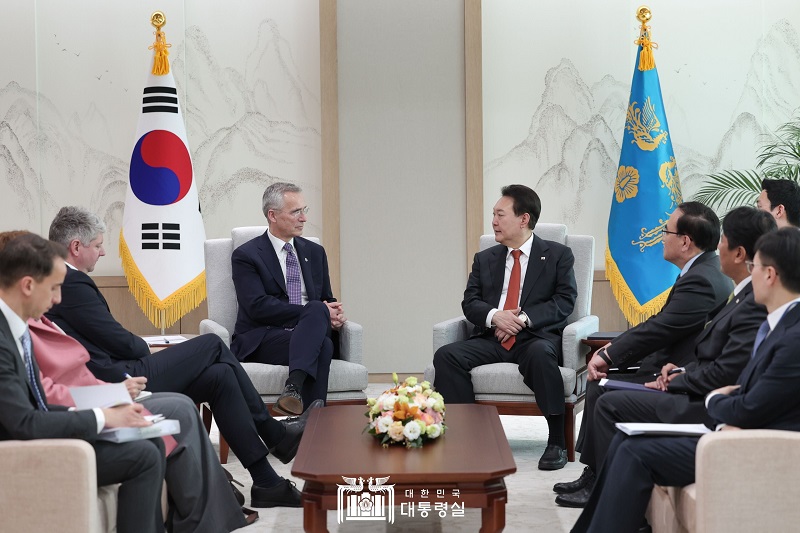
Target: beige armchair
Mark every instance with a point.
(501, 384)
(51, 485)
(745, 481)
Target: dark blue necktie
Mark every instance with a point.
(763, 331)
(25, 339)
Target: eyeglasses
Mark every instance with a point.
(670, 232)
(751, 264)
(297, 212)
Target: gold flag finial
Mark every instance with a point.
(160, 61)
(646, 59)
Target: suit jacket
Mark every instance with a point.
(261, 289)
(84, 315)
(723, 348)
(548, 292)
(768, 395)
(19, 416)
(669, 335)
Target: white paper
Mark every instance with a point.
(155, 340)
(102, 396)
(647, 428)
(159, 429)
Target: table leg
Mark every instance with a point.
(315, 518)
(493, 517)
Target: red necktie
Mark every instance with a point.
(512, 295)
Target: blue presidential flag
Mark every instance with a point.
(646, 191)
(162, 236)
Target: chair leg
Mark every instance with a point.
(224, 448)
(569, 430)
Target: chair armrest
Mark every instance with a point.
(351, 342)
(747, 480)
(48, 482)
(455, 329)
(573, 351)
(209, 326)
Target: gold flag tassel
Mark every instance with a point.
(160, 313)
(160, 58)
(646, 59)
(634, 312)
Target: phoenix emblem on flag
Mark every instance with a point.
(643, 123)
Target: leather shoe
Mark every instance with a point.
(289, 402)
(286, 449)
(573, 486)
(553, 458)
(284, 494)
(236, 492)
(577, 499)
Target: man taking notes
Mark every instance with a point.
(765, 396)
(31, 273)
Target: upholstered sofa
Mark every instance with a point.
(746, 481)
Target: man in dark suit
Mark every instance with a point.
(722, 350)
(781, 199)
(690, 239)
(287, 311)
(202, 368)
(518, 296)
(31, 272)
(765, 396)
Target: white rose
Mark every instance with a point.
(430, 402)
(383, 424)
(433, 431)
(388, 402)
(412, 430)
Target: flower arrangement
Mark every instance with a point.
(409, 413)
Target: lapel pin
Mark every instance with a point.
(305, 259)
(543, 258)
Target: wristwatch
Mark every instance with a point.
(602, 354)
(525, 318)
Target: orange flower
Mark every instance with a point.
(403, 411)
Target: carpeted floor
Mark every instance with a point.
(530, 505)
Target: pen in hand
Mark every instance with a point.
(671, 372)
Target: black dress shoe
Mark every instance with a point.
(553, 458)
(289, 402)
(573, 486)
(286, 449)
(284, 494)
(577, 499)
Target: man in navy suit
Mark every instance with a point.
(287, 312)
(202, 368)
(518, 296)
(765, 396)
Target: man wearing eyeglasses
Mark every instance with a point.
(690, 239)
(287, 312)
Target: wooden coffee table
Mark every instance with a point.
(467, 464)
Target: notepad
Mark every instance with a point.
(158, 429)
(616, 384)
(102, 396)
(647, 428)
(164, 340)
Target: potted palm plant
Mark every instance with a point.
(778, 158)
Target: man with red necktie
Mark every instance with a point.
(518, 297)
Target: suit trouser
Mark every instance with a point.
(205, 370)
(537, 360)
(307, 347)
(634, 406)
(139, 466)
(586, 439)
(200, 497)
(625, 483)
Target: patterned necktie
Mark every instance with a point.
(512, 295)
(25, 339)
(293, 288)
(763, 331)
